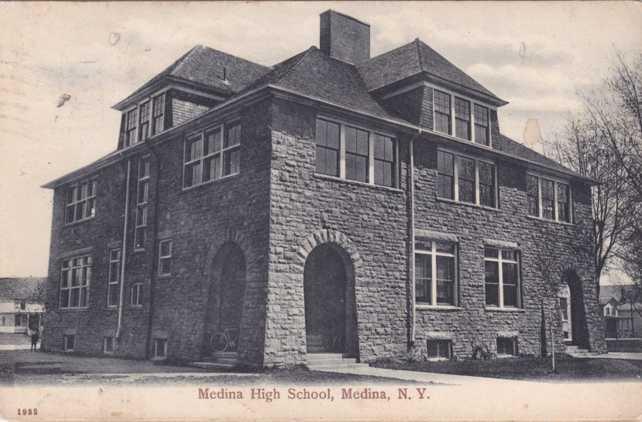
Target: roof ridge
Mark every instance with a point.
(181, 61)
(303, 54)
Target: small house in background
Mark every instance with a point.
(622, 310)
(22, 303)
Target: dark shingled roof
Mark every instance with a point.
(312, 73)
(512, 147)
(204, 66)
(414, 58)
(23, 288)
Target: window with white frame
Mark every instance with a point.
(143, 120)
(108, 345)
(114, 277)
(465, 179)
(209, 155)
(442, 111)
(136, 295)
(439, 349)
(354, 153)
(159, 348)
(462, 118)
(158, 114)
(68, 342)
(549, 199)
(435, 272)
(502, 277)
(142, 203)
(75, 277)
(482, 125)
(165, 257)
(80, 202)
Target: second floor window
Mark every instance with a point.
(548, 199)
(114, 278)
(209, 155)
(442, 111)
(502, 282)
(142, 203)
(80, 203)
(435, 272)
(355, 154)
(165, 257)
(75, 277)
(465, 179)
(462, 118)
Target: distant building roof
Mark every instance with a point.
(23, 288)
(608, 292)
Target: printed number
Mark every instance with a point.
(28, 412)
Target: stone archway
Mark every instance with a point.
(330, 263)
(224, 307)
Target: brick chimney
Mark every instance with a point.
(344, 38)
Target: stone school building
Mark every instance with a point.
(335, 203)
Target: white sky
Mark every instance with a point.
(534, 55)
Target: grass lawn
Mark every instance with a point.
(568, 368)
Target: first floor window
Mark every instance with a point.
(160, 348)
(435, 272)
(136, 297)
(502, 279)
(108, 345)
(80, 202)
(68, 342)
(75, 277)
(465, 179)
(328, 140)
(507, 346)
(114, 277)
(548, 199)
(165, 257)
(439, 349)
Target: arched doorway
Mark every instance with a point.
(573, 315)
(225, 301)
(330, 322)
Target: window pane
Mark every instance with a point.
(492, 282)
(445, 279)
(445, 180)
(442, 111)
(213, 143)
(327, 139)
(548, 199)
(462, 118)
(233, 136)
(466, 180)
(423, 275)
(486, 184)
(532, 191)
(231, 159)
(563, 202)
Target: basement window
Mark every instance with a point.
(68, 342)
(439, 349)
(108, 345)
(506, 346)
(159, 348)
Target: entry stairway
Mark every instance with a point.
(576, 352)
(219, 360)
(330, 361)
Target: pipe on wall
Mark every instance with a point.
(123, 255)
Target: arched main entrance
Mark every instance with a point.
(573, 316)
(330, 322)
(225, 300)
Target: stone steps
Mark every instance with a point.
(219, 360)
(329, 361)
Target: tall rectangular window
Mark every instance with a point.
(502, 280)
(384, 160)
(136, 294)
(442, 110)
(563, 202)
(159, 348)
(114, 277)
(80, 202)
(210, 156)
(130, 127)
(165, 257)
(482, 125)
(68, 342)
(462, 118)
(357, 149)
(75, 277)
(143, 121)
(328, 140)
(446, 175)
(108, 345)
(158, 114)
(142, 203)
(549, 199)
(435, 272)
(465, 179)
(532, 191)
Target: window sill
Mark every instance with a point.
(506, 309)
(139, 307)
(467, 204)
(210, 182)
(546, 220)
(84, 220)
(138, 250)
(164, 275)
(438, 359)
(356, 182)
(426, 307)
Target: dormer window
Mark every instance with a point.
(130, 127)
(442, 112)
(462, 118)
(482, 126)
(158, 114)
(144, 120)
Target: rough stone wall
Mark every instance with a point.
(309, 210)
(548, 250)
